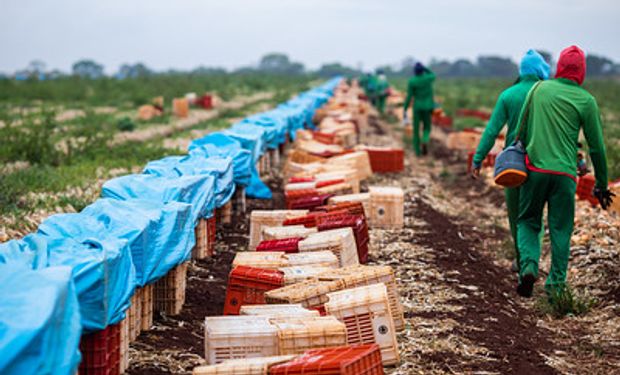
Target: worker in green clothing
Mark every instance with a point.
(381, 91)
(533, 68)
(556, 111)
(420, 88)
(363, 81)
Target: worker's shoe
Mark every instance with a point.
(424, 149)
(526, 285)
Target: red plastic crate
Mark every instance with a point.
(489, 161)
(357, 223)
(354, 208)
(308, 221)
(288, 245)
(211, 229)
(247, 286)
(326, 138)
(308, 202)
(324, 183)
(386, 160)
(585, 188)
(342, 360)
(205, 101)
(483, 115)
(101, 352)
(295, 180)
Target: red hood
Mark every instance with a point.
(572, 65)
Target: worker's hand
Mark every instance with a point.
(604, 196)
(475, 173)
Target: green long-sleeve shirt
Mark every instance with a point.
(421, 88)
(506, 112)
(560, 108)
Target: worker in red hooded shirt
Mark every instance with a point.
(558, 110)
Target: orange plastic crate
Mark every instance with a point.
(585, 188)
(247, 286)
(386, 160)
(342, 360)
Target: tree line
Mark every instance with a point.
(280, 63)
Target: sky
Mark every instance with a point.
(184, 34)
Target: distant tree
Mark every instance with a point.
(36, 67)
(599, 65)
(496, 66)
(442, 68)
(279, 63)
(87, 69)
(137, 70)
(464, 68)
(204, 70)
(334, 69)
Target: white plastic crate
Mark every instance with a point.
(361, 275)
(366, 313)
(278, 311)
(248, 366)
(289, 231)
(296, 274)
(262, 259)
(386, 207)
(260, 219)
(339, 241)
(324, 258)
(296, 335)
(233, 337)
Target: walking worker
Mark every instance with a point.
(381, 91)
(558, 110)
(533, 68)
(420, 88)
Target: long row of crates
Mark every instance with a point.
(303, 299)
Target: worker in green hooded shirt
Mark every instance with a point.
(533, 68)
(554, 113)
(420, 88)
(381, 91)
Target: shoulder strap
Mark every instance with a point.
(526, 112)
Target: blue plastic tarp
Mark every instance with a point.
(221, 168)
(218, 144)
(103, 271)
(160, 235)
(251, 138)
(196, 190)
(39, 321)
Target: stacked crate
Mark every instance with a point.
(244, 336)
(363, 198)
(287, 245)
(134, 315)
(146, 307)
(169, 291)
(297, 274)
(339, 241)
(310, 294)
(296, 335)
(291, 231)
(366, 313)
(357, 276)
(247, 286)
(273, 311)
(101, 352)
(324, 258)
(201, 248)
(261, 219)
(386, 159)
(356, 222)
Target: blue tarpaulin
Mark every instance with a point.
(39, 321)
(221, 168)
(196, 190)
(160, 235)
(218, 144)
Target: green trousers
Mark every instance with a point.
(512, 204)
(423, 116)
(381, 103)
(558, 193)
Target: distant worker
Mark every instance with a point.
(382, 88)
(420, 88)
(507, 109)
(559, 109)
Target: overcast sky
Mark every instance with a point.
(232, 33)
